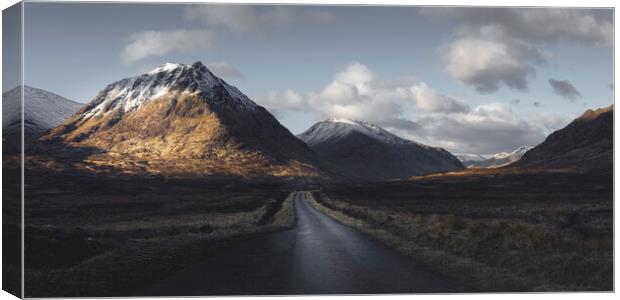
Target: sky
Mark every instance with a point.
(469, 79)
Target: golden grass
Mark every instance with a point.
(176, 135)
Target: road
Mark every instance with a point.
(317, 256)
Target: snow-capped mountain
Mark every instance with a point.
(42, 111)
(494, 160)
(466, 157)
(517, 153)
(337, 128)
(182, 120)
(130, 94)
(365, 151)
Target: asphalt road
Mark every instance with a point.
(318, 256)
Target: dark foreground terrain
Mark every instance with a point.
(498, 232)
(99, 236)
(318, 256)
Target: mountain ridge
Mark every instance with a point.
(495, 160)
(585, 144)
(42, 111)
(366, 151)
(179, 113)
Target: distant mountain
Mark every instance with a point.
(493, 161)
(586, 144)
(42, 111)
(182, 120)
(466, 157)
(366, 151)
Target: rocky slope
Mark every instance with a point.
(182, 120)
(365, 151)
(586, 144)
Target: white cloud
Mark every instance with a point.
(504, 46)
(486, 129)
(485, 60)
(588, 27)
(235, 18)
(246, 18)
(430, 100)
(357, 93)
(287, 99)
(414, 110)
(144, 44)
(575, 25)
(225, 70)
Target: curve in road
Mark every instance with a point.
(317, 256)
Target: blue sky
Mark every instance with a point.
(472, 80)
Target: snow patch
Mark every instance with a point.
(338, 128)
(164, 68)
(342, 120)
(493, 160)
(130, 94)
(42, 109)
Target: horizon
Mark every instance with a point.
(478, 84)
(328, 118)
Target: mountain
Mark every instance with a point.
(182, 120)
(586, 144)
(467, 157)
(366, 151)
(42, 111)
(493, 161)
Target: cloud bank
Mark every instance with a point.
(356, 93)
(495, 47)
(485, 62)
(216, 18)
(587, 27)
(414, 110)
(487, 129)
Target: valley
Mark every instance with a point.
(481, 232)
(173, 174)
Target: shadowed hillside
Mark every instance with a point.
(364, 151)
(584, 144)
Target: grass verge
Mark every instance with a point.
(488, 255)
(153, 252)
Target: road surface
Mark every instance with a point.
(317, 256)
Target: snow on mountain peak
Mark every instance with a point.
(342, 120)
(131, 93)
(336, 128)
(42, 109)
(165, 68)
(517, 153)
(493, 160)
